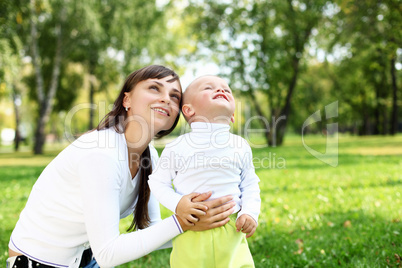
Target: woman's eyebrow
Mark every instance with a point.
(158, 83)
(176, 90)
(162, 85)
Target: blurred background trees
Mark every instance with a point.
(285, 59)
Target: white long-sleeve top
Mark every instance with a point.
(78, 201)
(209, 158)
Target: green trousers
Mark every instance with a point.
(221, 247)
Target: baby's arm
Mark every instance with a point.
(178, 204)
(246, 224)
(160, 183)
(247, 218)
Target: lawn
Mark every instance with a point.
(313, 214)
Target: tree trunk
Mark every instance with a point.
(377, 123)
(17, 138)
(260, 114)
(91, 111)
(281, 128)
(45, 102)
(92, 63)
(394, 114)
(35, 53)
(40, 132)
(299, 43)
(381, 90)
(365, 128)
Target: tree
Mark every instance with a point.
(368, 31)
(51, 30)
(10, 59)
(261, 46)
(60, 32)
(136, 30)
(8, 77)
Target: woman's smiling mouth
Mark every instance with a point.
(161, 111)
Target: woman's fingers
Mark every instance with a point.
(201, 197)
(213, 215)
(197, 213)
(223, 208)
(219, 223)
(218, 202)
(222, 214)
(217, 214)
(199, 207)
(190, 220)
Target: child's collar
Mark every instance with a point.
(208, 127)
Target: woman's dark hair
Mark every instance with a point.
(117, 118)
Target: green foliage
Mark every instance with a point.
(312, 214)
(268, 47)
(363, 37)
(69, 84)
(108, 38)
(261, 47)
(285, 57)
(10, 62)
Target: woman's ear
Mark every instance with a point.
(187, 110)
(126, 100)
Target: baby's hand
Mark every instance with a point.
(188, 210)
(246, 224)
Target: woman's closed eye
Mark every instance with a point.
(176, 96)
(153, 87)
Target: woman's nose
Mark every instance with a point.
(165, 98)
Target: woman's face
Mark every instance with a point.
(154, 102)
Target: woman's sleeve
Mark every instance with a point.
(100, 188)
(155, 216)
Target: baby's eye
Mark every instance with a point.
(228, 91)
(207, 88)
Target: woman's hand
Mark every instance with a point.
(217, 214)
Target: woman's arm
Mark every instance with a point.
(100, 187)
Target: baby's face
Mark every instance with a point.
(210, 97)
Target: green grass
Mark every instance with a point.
(313, 215)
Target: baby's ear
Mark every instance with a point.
(232, 118)
(187, 110)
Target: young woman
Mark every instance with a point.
(76, 204)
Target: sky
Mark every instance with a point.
(197, 69)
